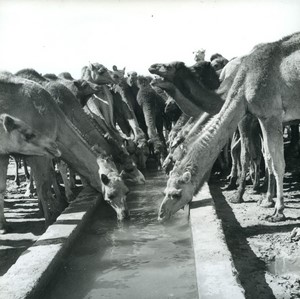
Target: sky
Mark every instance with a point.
(54, 36)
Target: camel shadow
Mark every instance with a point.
(244, 258)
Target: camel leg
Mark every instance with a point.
(256, 177)
(63, 169)
(27, 174)
(55, 184)
(30, 187)
(294, 144)
(268, 202)
(245, 159)
(235, 154)
(72, 178)
(41, 168)
(17, 178)
(273, 145)
(4, 159)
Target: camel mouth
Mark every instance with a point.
(153, 69)
(123, 215)
(53, 151)
(164, 215)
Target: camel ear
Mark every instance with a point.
(186, 177)
(79, 83)
(104, 179)
(115, 68)
(92, 67)
(10, 123)
(97, 149)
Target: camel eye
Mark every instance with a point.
(29, 136)
(111, 196)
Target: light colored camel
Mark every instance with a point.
(199, 55)
(266, 84)
(68, 104)
(115, 107)
(40, 108)
(23, 132)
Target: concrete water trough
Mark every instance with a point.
(215, 273)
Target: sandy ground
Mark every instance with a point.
(267, 261)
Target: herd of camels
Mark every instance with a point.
(107, 126)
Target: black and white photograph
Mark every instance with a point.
(149, 149)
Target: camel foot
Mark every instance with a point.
(295, 234)
(230, 186)
(70, 197)
(29, 194)
(256, 188)
(40, 213)
(5, 229)
(266, 203)
(275, 218)
(236, 199)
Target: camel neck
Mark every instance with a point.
(206, 148)
(77, 153)
(205, 99)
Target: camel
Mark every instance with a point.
(218, 62)
(47, 116)
(24, 130)
(115, 106)
(153, 109)
(82, 89)
(183, 84)
(130, 172)
(66, 101)
(97, 73)
(127, 95)
(199, 55)
(267, 85)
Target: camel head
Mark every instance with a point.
(130, 173)
(117, 75)
(199, 55)
(178, 193)
(218, 61)
(20, 138)
(142, 152)
(166, 70)
(143, 81)
(113, 188)
(131, 78)
(164, 85)
(86, 88)
(98, 74)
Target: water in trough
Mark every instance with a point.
(140, 259)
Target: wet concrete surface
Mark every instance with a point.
(140, 258)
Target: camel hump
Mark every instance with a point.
(31, 74)
(51, 76)
(9, 83)
(66, 75)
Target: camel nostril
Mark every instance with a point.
(127, 215)
(161, 214)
